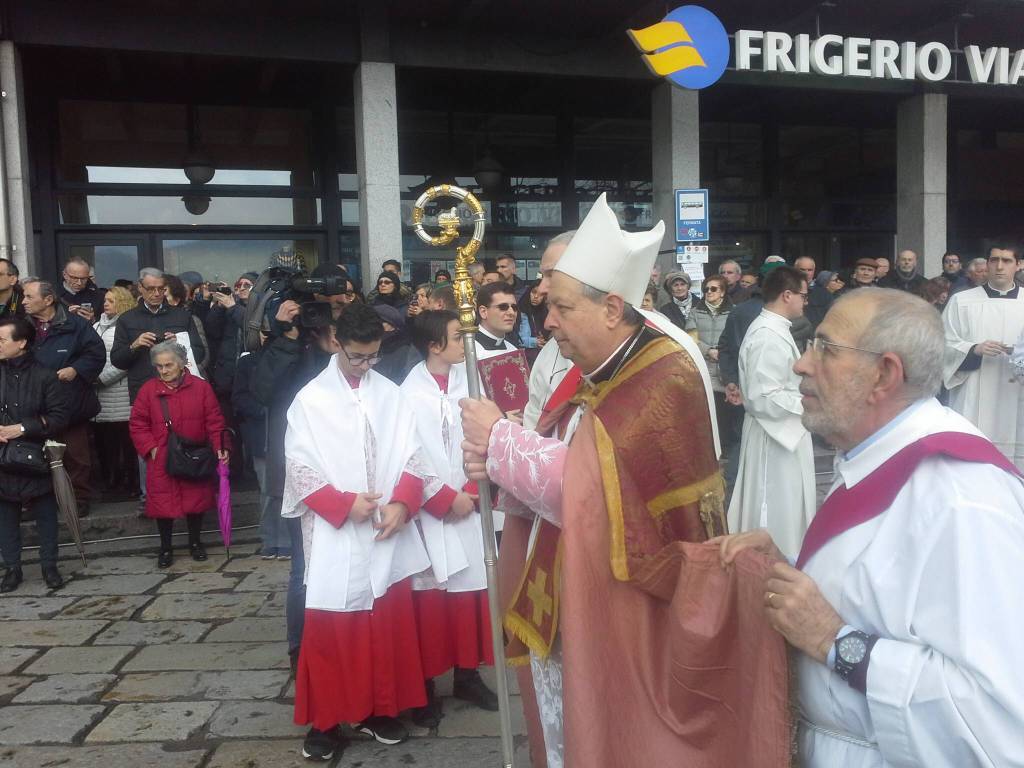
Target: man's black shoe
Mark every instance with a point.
(52, 577)
(320, 745)
(469, 687)
(164, 559)
(386, 730)
(198, 552)
(12, 579)
(428, 716)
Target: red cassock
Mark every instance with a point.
(454, 627)
(355, 664)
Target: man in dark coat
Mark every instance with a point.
(67, 344)
(78, 292)
(153, 321)
(905, 276)
(10, 292)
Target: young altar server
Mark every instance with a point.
(451, 596)
(354, 474)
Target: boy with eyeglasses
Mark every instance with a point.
(354, 475)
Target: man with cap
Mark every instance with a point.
(864, 273)
(677, 285)
(622, 498)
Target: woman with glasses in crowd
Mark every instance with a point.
(707, 320)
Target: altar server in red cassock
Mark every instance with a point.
(355, 475)
(451, 596)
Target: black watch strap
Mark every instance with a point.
(856, 675)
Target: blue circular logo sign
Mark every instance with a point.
(689, 46)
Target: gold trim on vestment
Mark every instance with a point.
(592, 397)
(688, 494)
(613, 500)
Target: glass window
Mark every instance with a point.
(731, 159)
(631, 216)
(988, 168)
(747, 249)
(223, 260)
(109, 262)
(196, 209)
(612, 155)
(142, 143)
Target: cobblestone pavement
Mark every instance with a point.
(132, 666)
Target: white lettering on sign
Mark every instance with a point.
(833, 55)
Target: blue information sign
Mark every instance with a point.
(692, 216)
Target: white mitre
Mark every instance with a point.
(604, 257)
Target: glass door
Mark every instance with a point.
(224, 257)
(112, 257)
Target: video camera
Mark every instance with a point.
(280, 284)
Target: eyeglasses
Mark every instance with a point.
(360, 359)
(73, 279)
(503, 307)
(243, 286)
(151, 288)
(712, 289)
(818, 344)
(804, 294)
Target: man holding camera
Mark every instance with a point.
(78, 292)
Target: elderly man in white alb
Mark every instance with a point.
(906, 600)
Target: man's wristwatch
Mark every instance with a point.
(853, 652)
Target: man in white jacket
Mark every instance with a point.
(905, 600)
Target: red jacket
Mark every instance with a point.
(195, 415)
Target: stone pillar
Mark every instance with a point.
(380, 221)
(921, 147)
(16, 184)
(675, 156)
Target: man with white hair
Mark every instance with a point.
(731, 271)
(904, 604)
(982, 326)
(975, 274)
(619, 491)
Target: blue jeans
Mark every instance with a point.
(274, 536)
(45, 508)
(295, 605)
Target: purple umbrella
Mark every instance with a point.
(224, 505)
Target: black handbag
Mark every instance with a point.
(19, 456)
(187, 459)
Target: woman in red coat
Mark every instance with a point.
(195, 416)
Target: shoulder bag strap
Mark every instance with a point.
(167, 413)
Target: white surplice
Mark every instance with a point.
(456, 549)
(359, 441)
(988, 397)
(939, 576)
(549, 368)
(775, 485)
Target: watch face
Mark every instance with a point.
(852, 649)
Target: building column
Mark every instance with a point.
(380, 220)
(921, 148)
(675, 156)
(16, 236)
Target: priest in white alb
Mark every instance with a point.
(905, 603)
(982, 326)
(775, 485)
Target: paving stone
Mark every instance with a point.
(113, 565)
(249, 564)
(12, 658)
(46, 723)
(13, 683)
(102, 658)
(105, 607)
(151, 632)
(198, 582)
(259, 754)
(183, 563)
(29, 633)
(66, 689)
(242, 630)
(210, 656)
(228, 606)
(275, 606)
(263, 719)
(34, 586)
(166, 721)
(267, 580)
(464, 719)
(426, 753)
(130, 584)
(108, 756)
(27, 608)
(234, 685)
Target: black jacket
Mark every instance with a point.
(913, 284)
(250, 413)
(284, 367)
(740, 318)
(88, 295)
(32, 396)
(133, 323)
(224, 333)
(72, 342)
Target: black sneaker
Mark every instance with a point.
(198, 552)
(164, 559)
(52, 577)
(12, 579)
(469, 687)
(386, 730)
(428, 716)
(320, 745)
